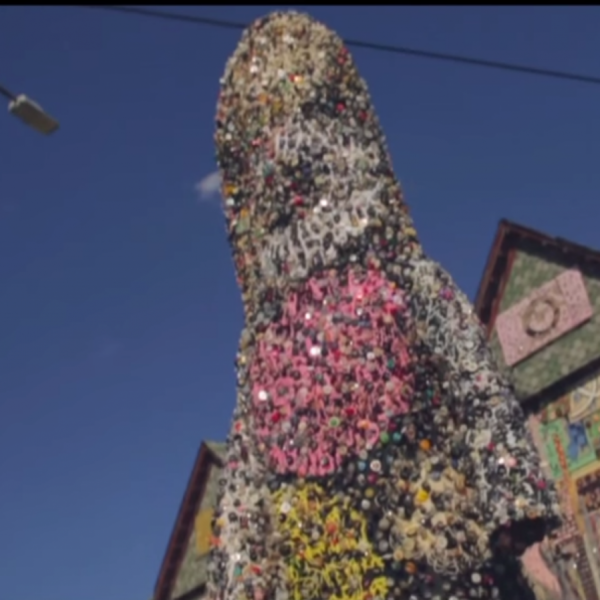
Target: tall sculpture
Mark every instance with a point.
(375, 451)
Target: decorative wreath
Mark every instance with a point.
(529, 323)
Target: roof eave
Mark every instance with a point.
(180, 534)
(498, 266)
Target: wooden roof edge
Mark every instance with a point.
(185, 520)
(494, 271)
(508, 234)
(490, 264)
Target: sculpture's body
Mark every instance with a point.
(375, 450)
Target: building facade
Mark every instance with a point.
(540, 302)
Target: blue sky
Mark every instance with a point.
(119, 311)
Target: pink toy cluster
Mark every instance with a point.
(331, 373)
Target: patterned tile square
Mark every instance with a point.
(566, 354)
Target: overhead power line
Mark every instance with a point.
(392, 49)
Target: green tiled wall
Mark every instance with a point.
(572, 351)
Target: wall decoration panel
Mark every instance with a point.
(567, 432)
(567, 353)
(544, 315)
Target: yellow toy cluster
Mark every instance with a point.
(328, 545)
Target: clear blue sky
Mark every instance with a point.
(119, 311)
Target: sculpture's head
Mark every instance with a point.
(303, 160)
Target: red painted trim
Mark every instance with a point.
(490, 266)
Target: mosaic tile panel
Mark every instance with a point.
(543, 316)
(565, 355)
(192, 572)
(566, 431)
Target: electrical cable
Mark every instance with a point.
(7, 93)
(392, 49)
